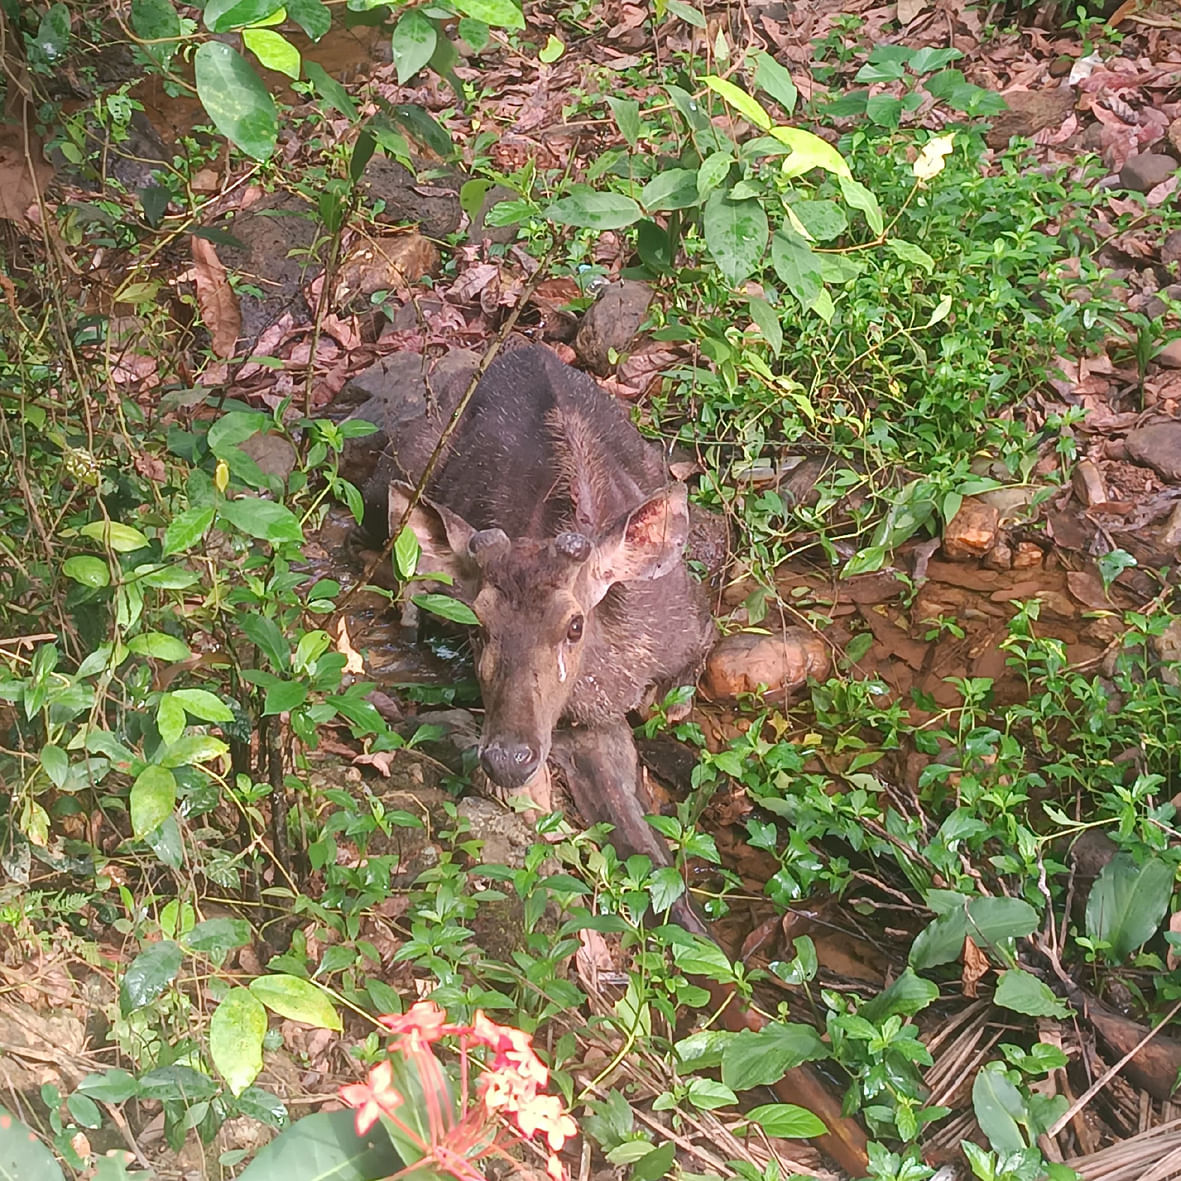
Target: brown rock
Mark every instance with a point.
(1170, 251)
(612, 323)
(1030, 111)
(1088, 483)
(971, 533)
(1158, 446)
(1145, 171)
(1170, 355)
(379, 264)
(1000, 557)
(744, 662)
(1027, 555)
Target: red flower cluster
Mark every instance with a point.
(511, 1090)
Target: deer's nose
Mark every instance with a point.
(510, 764)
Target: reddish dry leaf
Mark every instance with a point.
(975, 968)
(216, 298)
(18, 185)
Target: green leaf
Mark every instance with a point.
(300, 1000)
(750, 108)
(824, 220)
(55, 763)
(236, 99)
(273, 50)
(447, 608)
(283, 697)
(423, 126)
(504, 14)
(170, 719)
(414, 40)
(736, 234)
(325, 1145)
(909, 252)
(706, 1094)
(186, 529)
(236, 1030)
(112, 1086)
(594, 211)
(217, 936)
(159, 646)
(153, 796)
(148, 975)
(686, 13)
(263, 519)
(776, 81)
(757, 1059)
(22, 1156)
(884, 110)
(204, 705)
(1024, 993)
(1128, 902)
(154, 20)
(627, 118)
(796, 264)
(986, 920)
(177, 1083)
(655, 1163)
(674, 188)
(331, 91)
(909, 994)
(786, 1120)
(857, 196)
(551, 50)
(191, 749)
(88, 570)
(223, 15)
(998, 1106)
(713, 171)
(767, 320)
(123, 539)
(313, 16)
(407, 551)
(808, 151)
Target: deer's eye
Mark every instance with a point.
(574, 629)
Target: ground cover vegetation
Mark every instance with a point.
(914, 338)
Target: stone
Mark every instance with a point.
(1027, 555)
(612, 323)
(972, 532)
(780, 664)
(1158, 446)
(1170, 355)
(1145, 171)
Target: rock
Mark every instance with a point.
(612, 323)
(379, 264)
(1088, 483)
(1170, 537)
(1170, 252)
(971, 533)
(743, 662)
(273, 453)
(1158, 446)
(1000, 557)
(1170, 355)
(432, 204)
(1145, 171)
(1027, 555)
(1030, 111)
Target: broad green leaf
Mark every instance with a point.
(88, 570)
(298, 999)
(186, 529)
(283, 697)
(776, 81)
(264, 632)
(796, 264)
(786, 1120)
(551, 50)
(857, 196)
(407, 551)
(326, 1145)
(123, 539)
(757, 1059)
(263, 519)
(112, 1086)
(686, 13)
(998, 1106)
(84, 1110)
(223, 15)
(707, 1094)
(986, 920)
(824, 220)
(503, 14)
(23, 1157)
(423, 126)
(594, 211)
(909, 994)
(159, 646)
(192, 748)
(713, 171)
(177, 1084)
(1025, 993)
(219, 935)
(313, 16)
(55, 763)
(627, 118)
(736, 234)
(750, 108)
(1128, 902)
(153, 796)
(154, 20)
(330, 90)
(447, 608)
(236, 1030)
(940, 313)
(767, 320)
(148, 975)
(655, 1163)
(884, 110)
(414, 40)
(273, 50)
(236, 99)
(909, 252)
(170, 719)
(808, 151)
(674, 188)
(204, 705)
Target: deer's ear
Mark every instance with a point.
(646, 543)
(442, 535)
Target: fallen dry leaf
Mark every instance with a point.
(216, 298)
